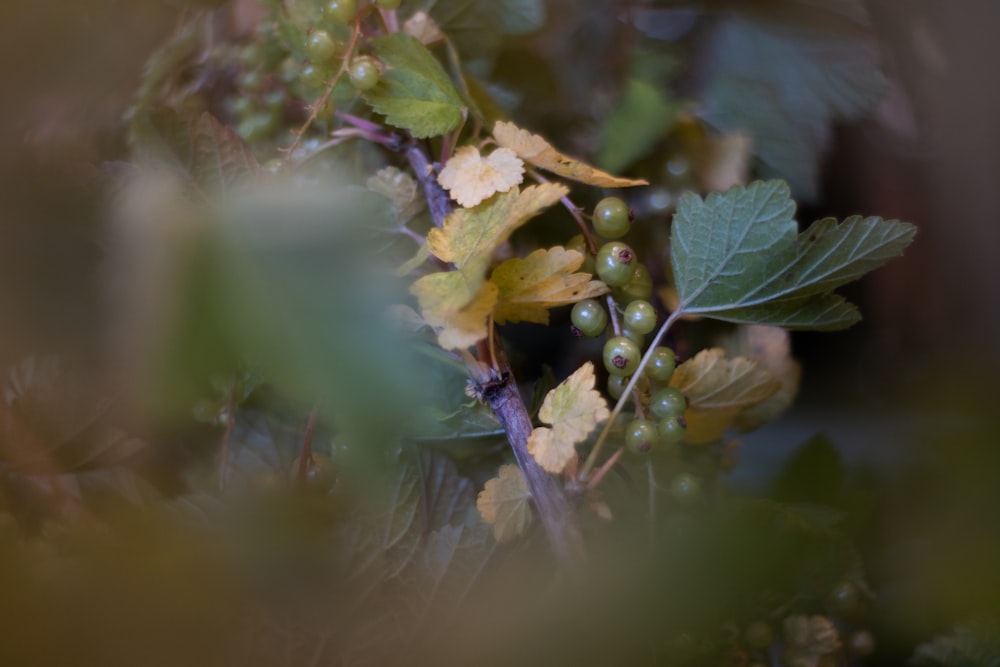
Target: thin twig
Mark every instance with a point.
(574, 211)
(626, 393)
(305, 457)
(605, 467)
(321, 102)
(226, 437)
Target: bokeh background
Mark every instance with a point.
(905, 403)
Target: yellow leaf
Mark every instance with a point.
(771, 346)
(460, 301)
(472, 178)
(503, 503)
(539, 152)
(469, 325)
(718, 390)
(542, 280)
(444, 292)
(573, 409)
(469, 236)
(459, 325)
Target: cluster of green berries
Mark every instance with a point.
(618, 267)
(259, 106)
(325, 46)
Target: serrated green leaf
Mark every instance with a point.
(415, 93)
(209, 157)
(641, 118)
(737, 257)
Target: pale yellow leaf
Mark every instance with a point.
(771, 346)
(469, 325)
(423, 27)
(444, 292)
(469, 236)
(718, 390)
(458, 328)
(504, 503)
(471, 178)
(573, 409)
(459, 302)
(544, 279)
(539, 152)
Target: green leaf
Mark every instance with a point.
(785, 76)
(737, 257)
(415, 93)
(641, 118)
(209, 157)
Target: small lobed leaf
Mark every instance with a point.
(461, 301)
(544, 279)
(504, 504)
(209, 157)
(737, 257)
(718, 390)
(536, 150)
(471, 178)
(573, 409)
(415, 92)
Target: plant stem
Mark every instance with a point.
(438, 201)
(557, 516)
(226, 437)
(592, 457)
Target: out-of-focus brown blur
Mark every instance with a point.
(929, 346)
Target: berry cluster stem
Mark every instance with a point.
(626, 393)
(557, 515)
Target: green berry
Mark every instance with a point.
(672, 430)
(667, 402)
(340, 12)
(364, 73)
(661, 364)
(846, 599)
(612, 218)
(639, 286)
(313, 76)
(621, 356)
(685, 488)
(252, 54)
(252, 79)
(617, 384)
(640, 436)
(758, 635)
(615, 263)
(589, 317)
(634, 336)
(388, 4)
(320, 46)
(640, 316)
